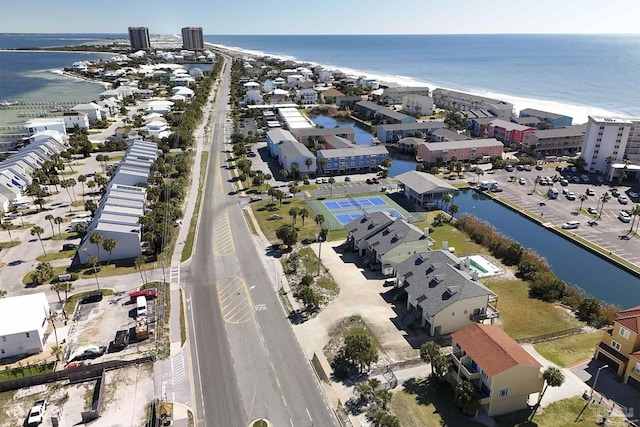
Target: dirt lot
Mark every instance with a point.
(97, 323)
(127, 393)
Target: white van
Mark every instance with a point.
(141, 306)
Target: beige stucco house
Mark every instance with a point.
(504, 374)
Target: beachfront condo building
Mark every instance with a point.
(508, 132)
(434, 153)
(564, 141)
(139, 38)
(608, 142)
(555, 120)
(192, 38)
(445, 98)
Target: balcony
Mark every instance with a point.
(466, 371)
(489, 313)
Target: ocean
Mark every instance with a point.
(579, 75)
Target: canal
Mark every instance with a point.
(568, 261)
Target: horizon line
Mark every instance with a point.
(342, 34)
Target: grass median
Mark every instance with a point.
(187, 250)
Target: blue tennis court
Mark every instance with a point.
(354, 203)
(345, 218)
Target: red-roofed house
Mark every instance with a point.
(504, 374)
(508, 132)
(620, 346)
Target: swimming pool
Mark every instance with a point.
(483, 266)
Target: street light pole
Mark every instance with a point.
(593, 386)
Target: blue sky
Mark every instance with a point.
(325, 16)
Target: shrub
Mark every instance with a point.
(547, 287)
(589, 309)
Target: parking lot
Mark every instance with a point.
(97, 323)
(608, 231)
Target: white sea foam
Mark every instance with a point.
(580, 113)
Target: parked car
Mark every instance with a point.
(600, 179)
(623, 199)
(573, 169)
(538, 167)
(633, 194)
(274, 216)
(92, 297)
(88, 351)
(147, 293)
(121, 340)
(508, 168)
(624, 217)
(255, 198)
(69, 247)
(615, 192)
(589, 192)
(288, 196)
(570, 195)
(347, 179)
(584, 178)
(496, 188)
(592, 210)
(571, 225)
(36, 414)
(527, 168)
(318, 180)
(520, 167)
(325, 180)
(564, 182)
(576, 179)
(522, 181)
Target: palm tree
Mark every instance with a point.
(332, 181)
(294, 169)
(96, 239)
(609, 161)
(66, 288)
(553, 377)
(56, 351)
(58, 220)
(94, 262)
(57, 288)
(49, 218)
(140, 266)
(8, 225)
(604, 198)
(447, 198)
(294, 213)
(535, 184)
(37, 231)
(303, 213)
(308, 162)
(3, 293)
(109, 245)
(52, 318)
(625, 168)
(364, 391)
(454, 209)
(464, 395)
(428, 352)
(635, 212)
(321, 164)
(319, 219)
(583, 198)
(479, 172)
(82, 179)
(91, 184)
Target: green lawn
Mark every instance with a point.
(26, 371)
(559, 414)
(187, 250)
(262, 210)
(70, 304)
(522, 316)
(455, 238)
(570, 350)
(7, 245)
(421, 404)
(56, 255)
(86, 272)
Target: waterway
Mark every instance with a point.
(568, 261)
(401, 162)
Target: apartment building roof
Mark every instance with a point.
(540, 113)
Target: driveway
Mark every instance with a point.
(361, 293)
(609, 387)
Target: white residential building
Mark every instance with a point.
(324, 76)
(92, 110)
(605, 138)
(39, 125)
(23, 324)
(253, 96)
(267, 86)
(307, 96)
(418, 104)
(295, 79)
(71, 120)
(293, 152)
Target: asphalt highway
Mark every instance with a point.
(247, 361)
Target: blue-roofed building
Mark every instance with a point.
(351, 160)
(555, 120)
(274, 138)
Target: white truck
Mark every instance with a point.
(36, 414)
